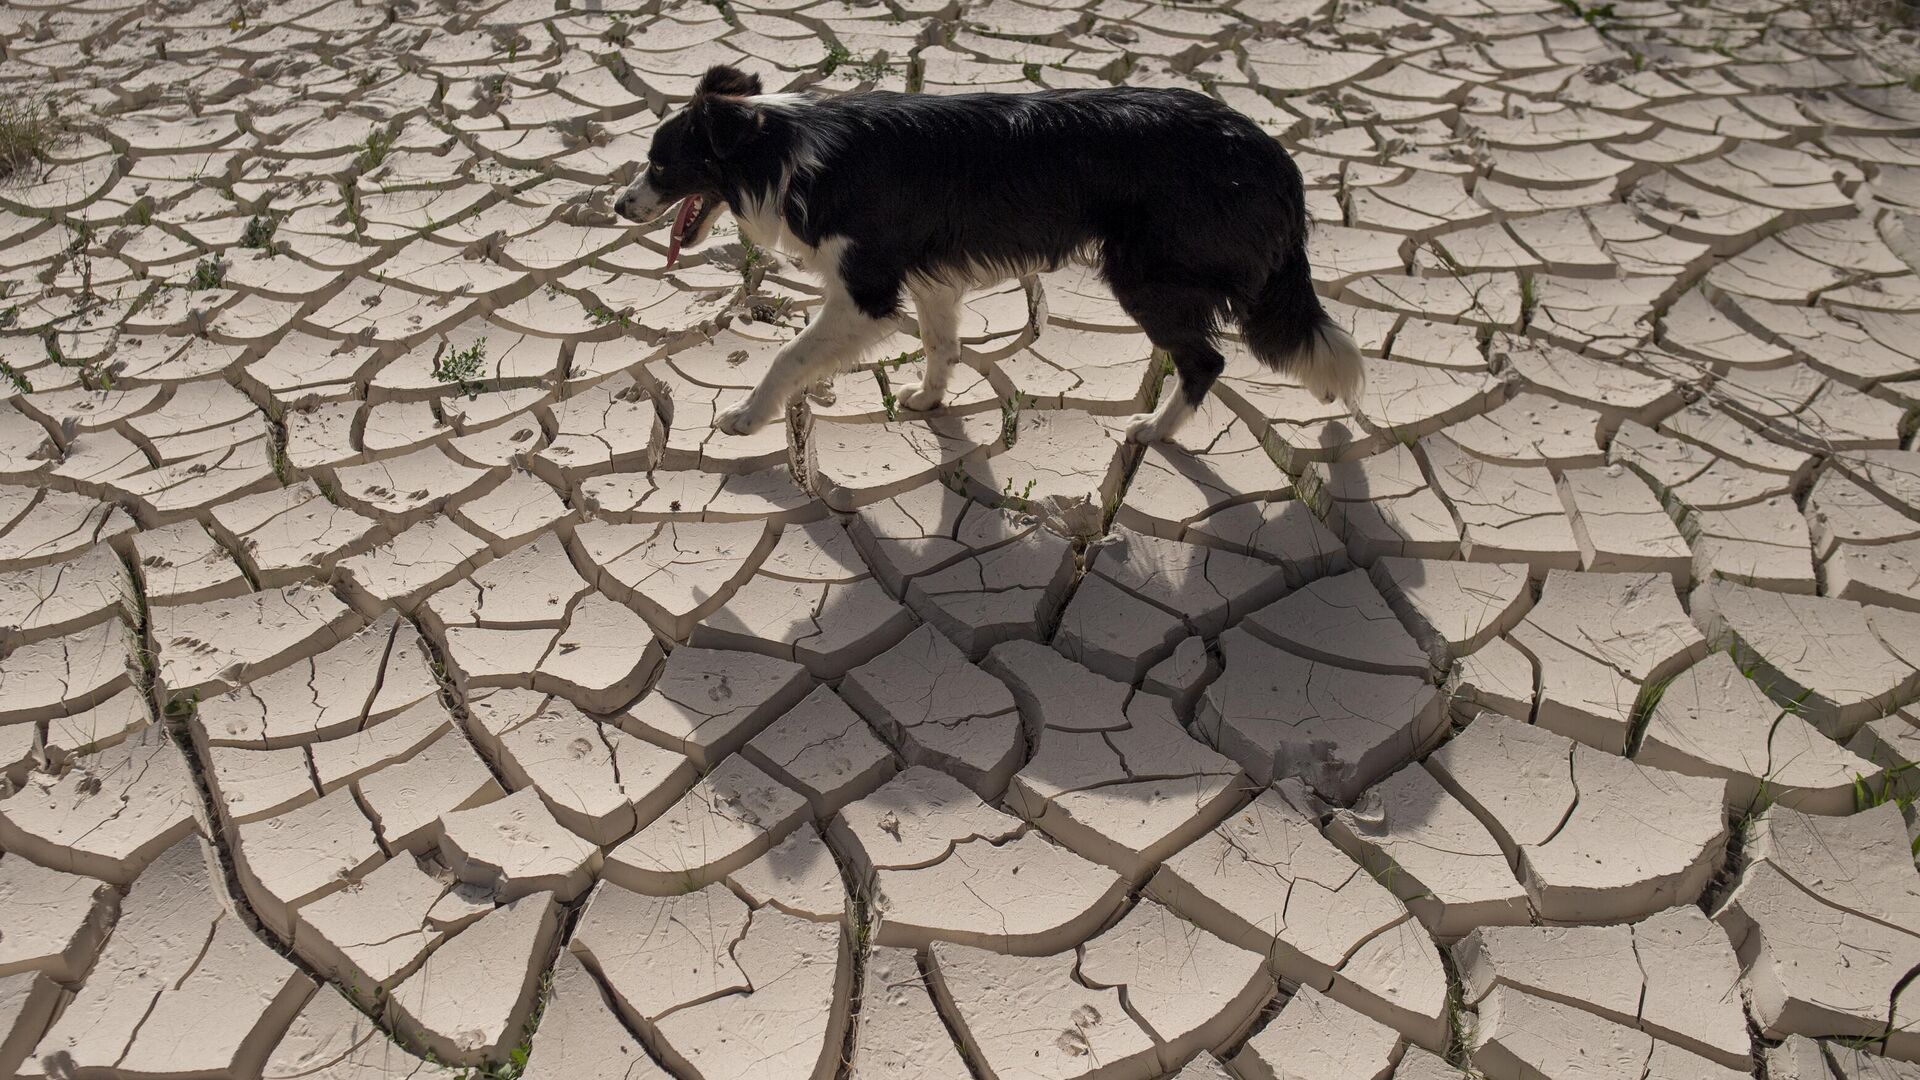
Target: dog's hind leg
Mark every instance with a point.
(938, 309)
(836, 336)
(1179, 319)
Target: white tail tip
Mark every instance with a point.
(1330, 366)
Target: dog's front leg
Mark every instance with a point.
(938, 310)
(838, 335)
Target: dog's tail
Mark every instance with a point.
(1288, 331)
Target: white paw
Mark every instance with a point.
(920, 398)
(1147, 428)
(740, 418)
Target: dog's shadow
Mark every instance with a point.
(1218, 793)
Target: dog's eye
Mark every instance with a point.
(653, 172)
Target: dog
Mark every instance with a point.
(1193, 215)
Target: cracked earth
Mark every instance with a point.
(400, 678)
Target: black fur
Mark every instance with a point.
(1194, 215)
(721, 79)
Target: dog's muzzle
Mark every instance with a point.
(640, 204)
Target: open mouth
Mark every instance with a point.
(686, 226)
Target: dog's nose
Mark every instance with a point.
(624, 207)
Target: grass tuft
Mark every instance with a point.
(208, 273)
(1595, 15)
(1642, 714)
(1529, 300)
(28, 130)
(1867, 794)
(259, 231)
(11, 376)
(602, 315)
(374, 151)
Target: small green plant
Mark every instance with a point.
(888, 400)
(602, 315)
(873, 69)
(14, 378)
(462, 366)
(374, 151)
(1010, 501)
(9, 316)
(277, 452)
(516, 1064)
(1867, 795)
(1642, 714)
(259, 231)
(510, 42)
(80, 260)
(1010, 409)
(1461, 1021)
(1890, 789)
(493, 90)
(28, 129)
(208, 273)
(1157, 375)
(1592, 15)
(751, 259)
(510, 1069)
(1032, 72)
(95, 374)
(616, 64)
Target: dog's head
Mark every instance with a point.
(688, 159)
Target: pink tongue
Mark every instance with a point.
(689, 209)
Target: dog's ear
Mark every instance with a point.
(728, 81)
(727, 122)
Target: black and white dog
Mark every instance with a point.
(1193, 214)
